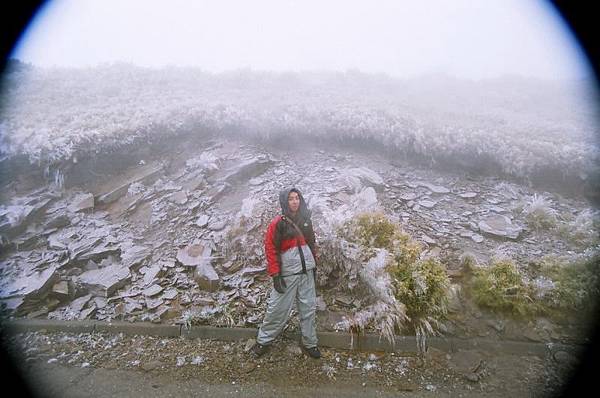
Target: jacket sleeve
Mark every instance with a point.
(272, 249)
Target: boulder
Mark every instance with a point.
(246, 170)
(434, 188)
(82, 202)
(202, 221)
(105, 281)
(179, 198)
(194, 255)
(116, 189)
(206, 277)
(133, 257)
(33, 285)
(358, 177)
(499, 226)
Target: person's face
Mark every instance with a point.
(293, 202)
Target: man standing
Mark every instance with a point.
(291, 262)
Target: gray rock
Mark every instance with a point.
(358, 177)
(30, 285)
(499, 226)
(428, 240)
(115, 190)
(150, 274)
(253, 271)
(194, 255)
(85, 314)
(61, 290)
(467, 195)
(218, 225)
(105, 281)
(206, 277)
(82, 202)
(477, 238)
(78, 304)
(169, 294)
(202, 221)
(153, 303)
(152, 290)
(249, 344)
(408, 196)
(428, 204)
(434, 188)
(246, 170)
(133, 257)
(179, 198)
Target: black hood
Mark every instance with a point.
(303, 211)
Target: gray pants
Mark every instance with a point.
(300, 288)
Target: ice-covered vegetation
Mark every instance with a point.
(554, 286)
(522, 128)
(409, 289)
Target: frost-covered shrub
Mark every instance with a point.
(583, 230)
(422, 286)
(408, 289)
(500, 287)
(575, 283)
(539, 213)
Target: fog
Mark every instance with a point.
(143, 145)
(400, 38)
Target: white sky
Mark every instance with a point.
(474, 39)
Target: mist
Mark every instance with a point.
(400, 38)
(447, 152)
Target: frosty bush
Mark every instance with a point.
(583, 229)
(409, 289)
(539, 213)
(500, 287)
(575, 283)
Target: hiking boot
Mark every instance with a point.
(312, 352)
(259, 350)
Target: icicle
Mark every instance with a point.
(59, 179)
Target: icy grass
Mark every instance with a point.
(53, 115)
(539, 213)
(541, 216)
(557, 287)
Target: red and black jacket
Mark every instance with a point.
(281, 236)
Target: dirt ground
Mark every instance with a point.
(99, 364)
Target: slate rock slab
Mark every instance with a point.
(499, 226)
(194, 255)
(105, 281)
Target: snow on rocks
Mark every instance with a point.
(203, 246)
(105, 281)
(499, 226)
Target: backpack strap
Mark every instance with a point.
(286, 219)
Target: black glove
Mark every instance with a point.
(279, 283)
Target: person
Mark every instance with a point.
(290, 249)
